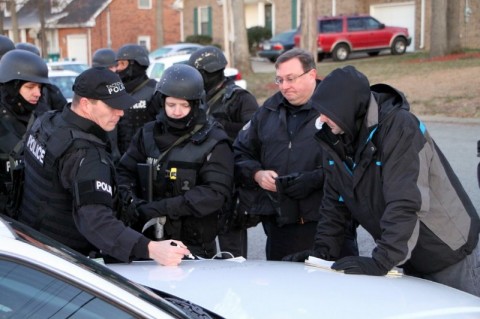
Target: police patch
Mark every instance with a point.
(103, 187)
(37, 150)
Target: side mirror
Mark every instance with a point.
(382, 26)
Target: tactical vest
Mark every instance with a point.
(219, 104)
(11, 132)
(178, 172)
(137, 115)
(47, 206)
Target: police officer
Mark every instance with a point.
(5, 45)
(191, 160)
(51, 94)
(28, 47)
(233, 107)
(106, 58)
(22, 75)
(70, 190)
(132, 64)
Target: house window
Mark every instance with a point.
(144, 40)
(203, 20)
(144, 4)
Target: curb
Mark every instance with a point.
(446, 119)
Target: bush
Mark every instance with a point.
(256, 35)
(200, 39)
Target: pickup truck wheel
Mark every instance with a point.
(399, 46)
(340, 52)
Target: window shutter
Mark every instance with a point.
(210, 21)
(195, 21)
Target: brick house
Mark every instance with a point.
(76, 28)
(280, 15)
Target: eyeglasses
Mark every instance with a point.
(290, 79)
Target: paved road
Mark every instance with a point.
(457, 139)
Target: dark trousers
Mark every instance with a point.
(234, 242)
(288, 239)
(293, 238)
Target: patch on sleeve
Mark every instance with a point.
(93, 192)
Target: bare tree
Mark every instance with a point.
(241, 53)
(2, 7)
(13, 15)
(308, 16)
(43, 35)
(454, 18)
(159, 24)
(438, 33)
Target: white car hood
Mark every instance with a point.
(267, 289)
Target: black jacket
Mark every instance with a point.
(70, 187)
(265, 144)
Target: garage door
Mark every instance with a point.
(399, 15)
(77, 47)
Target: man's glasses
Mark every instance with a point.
(290, 79)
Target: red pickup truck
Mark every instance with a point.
(339, 36)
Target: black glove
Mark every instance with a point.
(360, 266)
(149, 210)
(304, 184)
(302, 255)
(128, 213)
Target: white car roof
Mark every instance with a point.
(183, 58)
(269, 289)
(52, 73)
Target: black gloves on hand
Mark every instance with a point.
(357, 265)
(304, 184)
(151, 210)
(302, 255)
(298, 257)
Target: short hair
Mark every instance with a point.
(76, 100)
(305, 58)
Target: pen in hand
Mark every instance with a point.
(190, 256)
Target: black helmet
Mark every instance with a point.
(104, 57)
(23, 65)
(5, 45)
(209, 59)
(28, 47)
(134, 52)
(181, 81)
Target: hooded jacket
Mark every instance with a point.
(386, 171)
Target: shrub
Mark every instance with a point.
(199, 38)
(256, 35)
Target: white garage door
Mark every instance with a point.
(77, 47)
(397, 14)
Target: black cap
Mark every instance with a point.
(99, 83)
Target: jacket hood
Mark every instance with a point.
(389, 99)
(343, 96)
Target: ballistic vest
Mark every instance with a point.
(11, 132)
(137, 115)
(47, 206)
(177, 172)
(219, 103)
